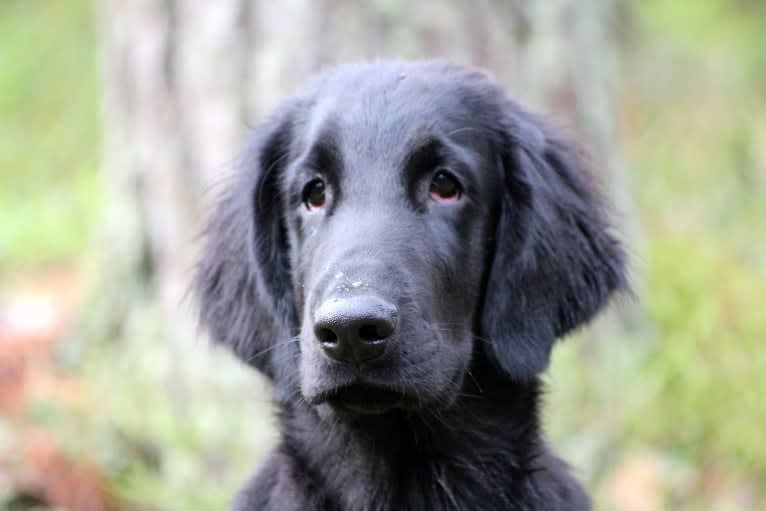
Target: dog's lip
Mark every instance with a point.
(362, 398)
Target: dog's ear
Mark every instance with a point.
(242, 281)
(555, 261)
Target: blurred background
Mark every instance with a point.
(118, 118)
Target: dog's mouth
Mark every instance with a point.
(362, 398)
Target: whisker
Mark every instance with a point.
(259, 353)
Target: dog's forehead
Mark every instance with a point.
(373, 116)
(399, 107)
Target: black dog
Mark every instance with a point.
(399, 252)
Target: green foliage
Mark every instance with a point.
(708, 373)
(694, 115)
(727, 31)
(49, 130)
(702, 188)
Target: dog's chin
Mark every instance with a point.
(362, 399)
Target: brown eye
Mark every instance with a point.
(445, 187)
(314, 195)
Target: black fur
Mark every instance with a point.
(482, 286)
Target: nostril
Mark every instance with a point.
(327, 337)
(372, 333)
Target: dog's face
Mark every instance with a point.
(388, 205)
(393, 222)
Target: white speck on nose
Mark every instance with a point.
(339, 275)
(356, 284)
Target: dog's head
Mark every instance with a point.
(392, 222)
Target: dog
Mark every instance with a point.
(400, 248)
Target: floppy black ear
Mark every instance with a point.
(555, 261)
(242, 281)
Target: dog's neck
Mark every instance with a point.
(449, 459)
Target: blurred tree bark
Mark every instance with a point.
(186, 79)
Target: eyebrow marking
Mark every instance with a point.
(427, 154)
(323, 155)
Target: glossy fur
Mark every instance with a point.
(483, 286)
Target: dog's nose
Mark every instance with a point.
(355, 329)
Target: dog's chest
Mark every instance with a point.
(417, 486)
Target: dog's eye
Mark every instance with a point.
(314, 195)
(445, 187)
